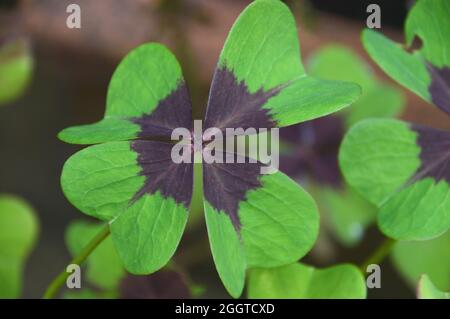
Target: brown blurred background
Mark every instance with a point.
(72, 70)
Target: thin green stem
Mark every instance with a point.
(60, 280)
(378, 255)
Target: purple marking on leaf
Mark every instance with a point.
(231, 105)
(164, 284)
(171, 112)
(315, 145)
(161, 173)
(440, 87)
(225, 184)
(434, 153)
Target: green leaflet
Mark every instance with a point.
(378, 158)
(147, 234)
(227, 250)
(428, 20)
(262, 50)
(336, 62)
(104, 268)
(109, 129)
(431, 257)
(101, 181)
(280, 224)
(427, 290)
(16, 68)
(136, 87)
(409, 70)
(18, 233)
(299, 281)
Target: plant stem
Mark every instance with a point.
(56, 284)
(378, 255)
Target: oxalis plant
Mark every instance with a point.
(403, 168)
(128, 179)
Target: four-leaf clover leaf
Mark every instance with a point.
(129, 179)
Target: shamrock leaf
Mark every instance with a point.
(130, 180)
(312, 148)
(104, 268)
(343, 281)
(430, 257)
(16, 65)
(427, 290)
(426, 71)
(403, 168)
(18, 232)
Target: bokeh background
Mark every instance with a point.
(72, 68)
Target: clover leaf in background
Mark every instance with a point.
(129, 180)
(400, 167)
(430, 257)
(311, 149)
(299, 281)
(104, 268)
(18, 234)
(426, 70)
(427, 290)
(16, 68)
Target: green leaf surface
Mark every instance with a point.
(339, 63)
(427, 290)
(429, 21)
(380, 158)
(147, 75)
(147, 234)
(104, 268)
(18, 233)
(262, 50)
(16, 68)
(101, 181)
(299, 281)
(279, 225)
(431, 257)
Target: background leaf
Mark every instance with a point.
(301, 281)
(426, 70)
(16, 68)
(104, 268)
(431, 257)
(18, 233)
(381, 160)
(348, 213)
